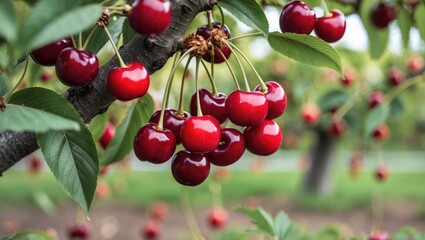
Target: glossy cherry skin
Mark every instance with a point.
(76, 68)
(190, 169)
(200, 134)
(310, 114)
(395, 76)
(382, 172)
(382, 14)
(47, 55)
(154, 145)
(264, 139)
(229, 150)
(210, 105)
(376, 98)
(205, 32)
(80, 231)
(150, 230)
(337, 127)
(217, 218)
(246, 108)
(276, 99)
(108, 134)
(380, 235)
(150, 17)
(382, 132)
(331, 28)
(297, 17)
(128, 83)
(172, 121)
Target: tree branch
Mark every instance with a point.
(94, 99)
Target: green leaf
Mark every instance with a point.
(7, 20)
(99, 38)
(97, 125)
(397, 106)
(122, 143)
(51, 20)
(261, 219)
(248, 12)
(404, 21)
(29, 235)
(306, 49)
(127, 32)
(333, 98)
(375, 117)
(22, 118)
(282, 225)
(4, 88)
(420, 19)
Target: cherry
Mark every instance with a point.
(76, 68)
(276, 99)
(330, 28)
(382, 132)
(415, 64)
(205, 32)
(297, 17)
(382, 14)
(45, 76)
(263, 139)
(310, 114)
(79, 230)
(102, 190)
(246, 108)
(172, 121)
(154, 145)
(159, 211)
(349, 77)
(376, 98)
(150, 230)
(200, 134)
(337, 127)
(211, 104)
(395, 76)
(382, 172)
(107, 136)
(104, 170)
(35, 164)
(218, 218)
(150, 17)
(229, 150)
(380, 235)
(129, 82)
(190, 169)
(47, 55)
(356, 164)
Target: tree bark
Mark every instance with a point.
(94, 99)
(318, 179)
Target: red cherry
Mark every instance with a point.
(45, 76)
(337, 127)
(382, 14)
(172, 121)
(102, 190)
(154, 145)
(415, 64)
(356, 164)
(104, 170)
(190, 169)
(218, 218)
(47, 55)
(395, 76)
(376, 98)
(35, 164)
(150, 17)
(159, 211)
(382, 132)
(382, 172)
(229, 150)
(276, 99)
(210, 105)
(76, 68)
(79, 230)
(263, 139)
(150, 230)
(310, 114)
(107, 135)
(205, 32)
(200, 134)
(330, 28)
(128, 83)
(297, 17)
(349, 77)
(246, 108)
(380, 235)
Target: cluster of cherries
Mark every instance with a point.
(298, 17)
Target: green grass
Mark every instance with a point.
(19, 188)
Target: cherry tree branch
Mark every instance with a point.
(94, 99)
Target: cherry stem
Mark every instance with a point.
(214, 88)
(80, 40)
(122, 64)
(230, 69)
(198, 101)
(6, 97)
(89, 37)
(264, 88)
(242, 68)
(212, 52)
(73, 41)
(215, 188)
(188, 214)
(325, 9)
(222, 16)
(180, 110)
(402, 87)
(245, 36)
(209, 19)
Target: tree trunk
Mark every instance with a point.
(318, 179)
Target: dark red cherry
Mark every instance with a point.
(376, 98)
(264, 139)
(382, 172)
(229, 150)
(337, 127)
(35, 165)
(150, 230)
(395, 76)
(205, 32)
(47, 55)
(210, 105)
(200, 134)
(46, 76)
(217, 218)
(382, 132)
(79, 231)
(154, 145)
(297, 17)
(246, 108)
(349, 77)
(190, 169)
(172, 121)
(128, 83)
(276, 99)
(380, 235)
(330, 28)
(310, 114)
(150, 17)
(382, 14)
(76, 68)
(107, 136)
